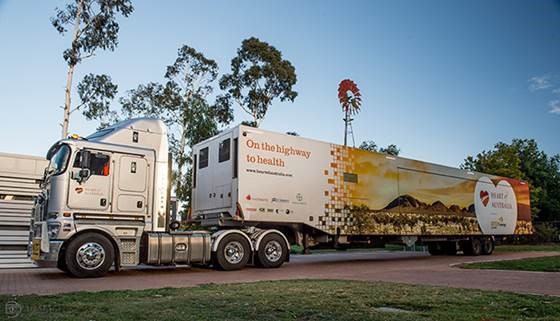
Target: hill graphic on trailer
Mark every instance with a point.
(407, 203)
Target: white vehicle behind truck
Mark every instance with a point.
(105, 201)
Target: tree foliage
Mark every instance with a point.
(258, 76)
(522, 159)
(181, 102)
(96, 93)
(94, 26)
(371, 146)
(97, 26)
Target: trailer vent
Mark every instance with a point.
(351, 178)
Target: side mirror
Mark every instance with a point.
(82, 175)
(174, 225)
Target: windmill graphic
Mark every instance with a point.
(350, 99)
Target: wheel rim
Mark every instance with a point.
(234, 252)
(90, 256)
(273, 251)
(477, 246)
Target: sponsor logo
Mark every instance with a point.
(484, 197)
(250, 209)
(270, 210)
(262, 209)
(255, 199)
(299, 199)
(79, 190)
(279, 200)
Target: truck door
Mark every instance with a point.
(223, 170)
(203, 177)
(94, 192)
(131, 181)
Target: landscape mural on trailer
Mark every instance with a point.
(380, 194)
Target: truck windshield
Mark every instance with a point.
(59, 160)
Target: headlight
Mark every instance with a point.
(53, 229)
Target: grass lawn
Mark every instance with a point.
(527, 248)
(291, 300)
(543, 264)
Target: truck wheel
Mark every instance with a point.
(61, 263)
(435, 248)
(472, 247)
(233, 252)
(272, 251)
(487, 246)
(89, 255)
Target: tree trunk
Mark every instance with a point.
(180, 158)
(71, 66)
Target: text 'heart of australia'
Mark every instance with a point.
(495, 206)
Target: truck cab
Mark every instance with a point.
(104, 203)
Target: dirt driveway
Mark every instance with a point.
(404, 267)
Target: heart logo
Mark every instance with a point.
(79, 190)
(498, 217)
(484, 197)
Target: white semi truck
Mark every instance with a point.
(105, 201)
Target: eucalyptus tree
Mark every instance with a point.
(371, 146)
(259, 75)
(96, 93)
(181, 102)
(523, 159)
(93, 26)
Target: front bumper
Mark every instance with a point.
(50, 258)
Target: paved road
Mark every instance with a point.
(412, 268)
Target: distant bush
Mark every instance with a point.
(546, 232)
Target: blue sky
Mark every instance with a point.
(441, 79)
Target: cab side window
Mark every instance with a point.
(98, 163)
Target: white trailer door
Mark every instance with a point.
(223, 170)
(203, 178)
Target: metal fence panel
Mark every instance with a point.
(20, 176)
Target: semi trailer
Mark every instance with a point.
(104, 201)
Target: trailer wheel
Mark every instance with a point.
(435, 248)
(89, 255)
(472, 247)
(272, 251)
(487, 246)
(450, 248)
(233, 252)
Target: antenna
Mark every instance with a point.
(351, 99)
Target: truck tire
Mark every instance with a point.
(487, 246)
(89, 255)
(272, 251)
(472, 247)
(61, 263)
(233, 252)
